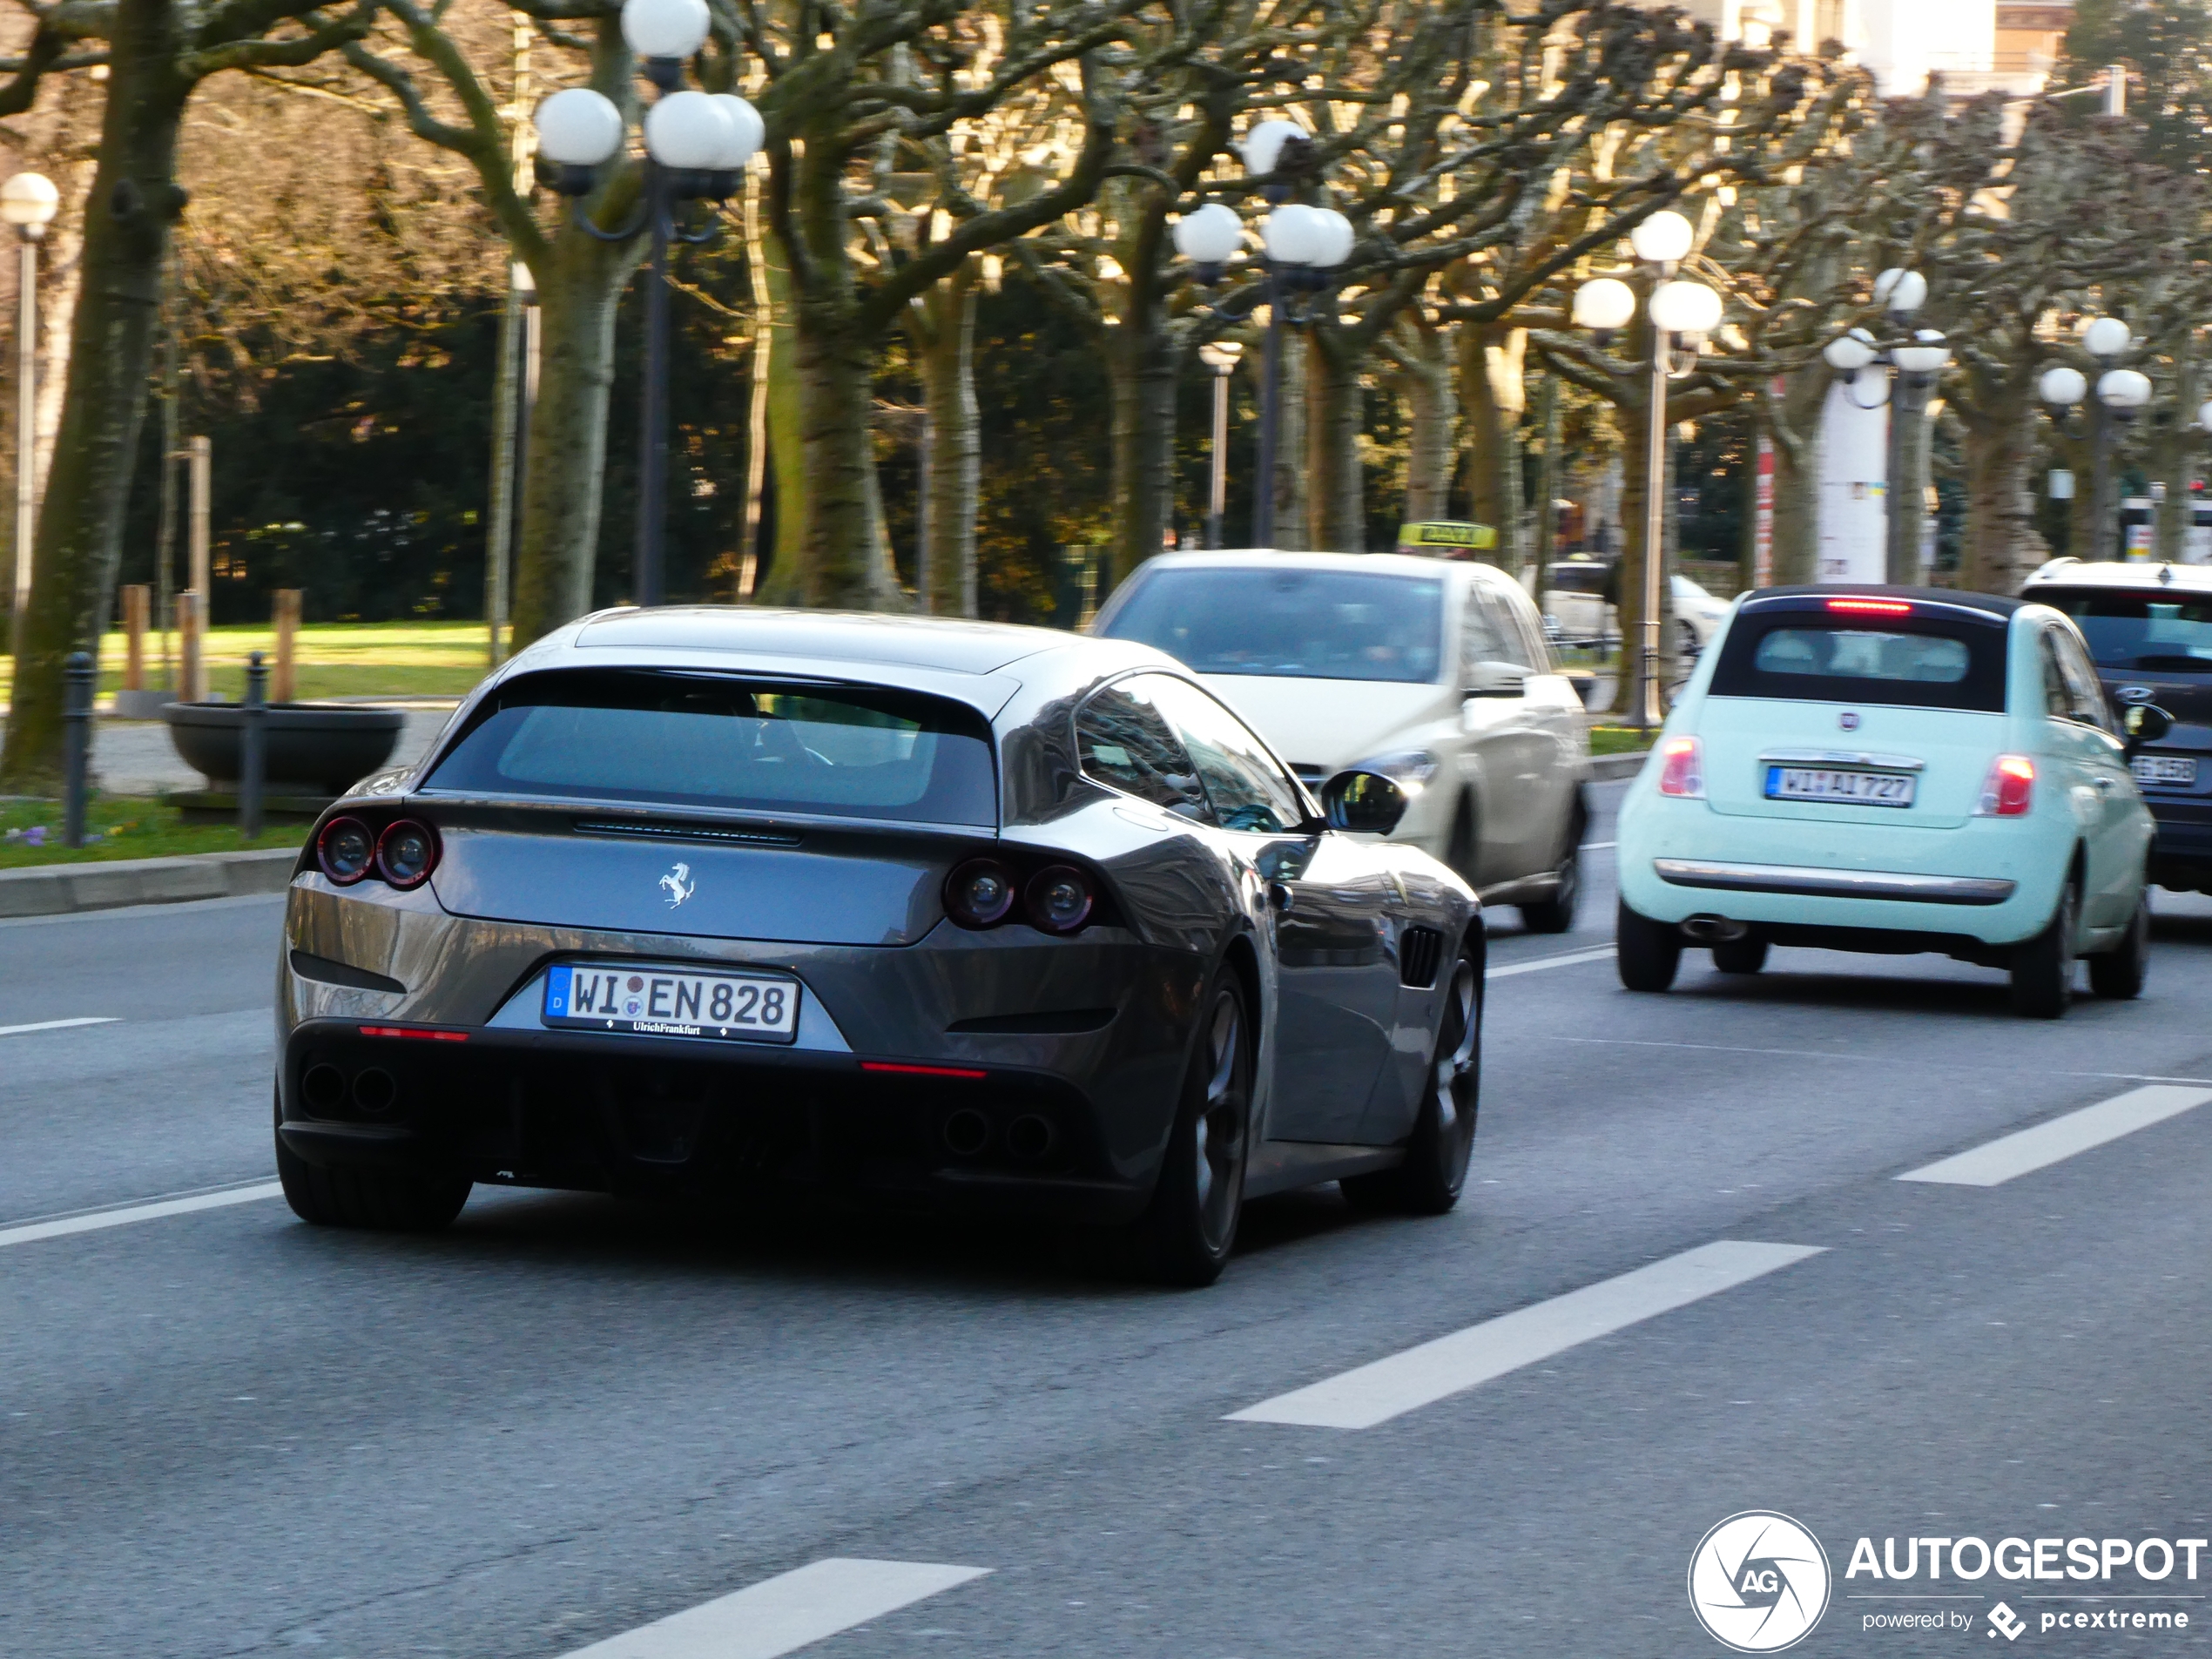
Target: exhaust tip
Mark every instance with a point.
(1716, 930)
(374, 1089)
(967, 1132)
(1030, 1137)
(322, 1088)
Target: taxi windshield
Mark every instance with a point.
(1300, 624)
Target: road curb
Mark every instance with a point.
(1604, 768)
(63, 889)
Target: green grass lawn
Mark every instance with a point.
(1619, 740)
(128, 827)
(335, 659)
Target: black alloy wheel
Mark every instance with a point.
(1186, 1233)
(2119, 972)
(1429, 1182)
(2043, 967)
(1647, 953)
(381, 1200)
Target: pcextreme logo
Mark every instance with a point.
(1759, 1581)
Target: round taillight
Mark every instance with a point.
(980, 894)
(345, 850)
(1059, 899)
(406, 852)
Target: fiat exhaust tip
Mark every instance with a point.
(1716, 930)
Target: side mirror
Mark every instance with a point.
(1497, 679)
(1363, 803)
(2145, 723)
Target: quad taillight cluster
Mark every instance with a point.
(402, 855)
(985, 893)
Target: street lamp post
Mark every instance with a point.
(1219, 355)
(1682, 313)
(2120, 393)
(1914, 367)
(1304, 246)
(697, 145)
(28, 201)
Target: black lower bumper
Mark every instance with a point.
(2180, 856)
(598, 1113)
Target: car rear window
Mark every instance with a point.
(2129, 629)
(1280, 619)
(696, 740)
(1917, 659)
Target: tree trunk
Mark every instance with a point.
(785, 583)
(1291, 470)
(1142, 361)
(1794, 421)
(1496, 392)
(1334, 418)
(2002, 543)
(954, 466)
(1636, 430)
(579, 288)
(79, 541)
(1432, 408)
(1908, 491)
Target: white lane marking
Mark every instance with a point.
(59, 1025)
(1375, 1393)
(2046, 1143)
(1598, 847)
(1568, 961)
(783, 1614)
(33, 1231)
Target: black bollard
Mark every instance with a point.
(76, 737)
(251, 747)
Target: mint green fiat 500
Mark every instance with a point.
(1893, 770)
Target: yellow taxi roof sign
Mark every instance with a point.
(1446, 536)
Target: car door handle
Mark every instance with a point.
(2105, 785)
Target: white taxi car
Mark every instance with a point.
(1431, 672)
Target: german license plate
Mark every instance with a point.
(2164, 769)
(671, 1003)
(1852, 788)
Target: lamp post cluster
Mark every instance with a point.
(1304, 247)
(1682, 312)
(1913, 368)
(697, 144)
(2120, 394)
(28, 201)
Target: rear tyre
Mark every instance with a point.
(381, 1200)
(2043, 967)
(1740, 957)
(1429, 1182)
(1185, 1234)
(1648, 952)
(1556, 914)
(2119, 972)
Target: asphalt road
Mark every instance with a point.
(224, 1432)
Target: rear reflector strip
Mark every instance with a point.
(422, 1033)
(921, 1072)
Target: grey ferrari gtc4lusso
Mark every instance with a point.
(892, 911)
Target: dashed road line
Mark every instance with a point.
(2029, 1150)
(95, 1221)
(59, 1025)
(786, 1613)
(1568, 959)
(1420, 1376)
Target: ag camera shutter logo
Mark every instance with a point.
(1758, 1582)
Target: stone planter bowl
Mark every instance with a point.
(307, 748)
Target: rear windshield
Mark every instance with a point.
(1301, 624)
(713, 740)
(1921, 661)
(2153, 633)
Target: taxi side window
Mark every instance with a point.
(1482, 639)
(1248, 791)
(1125, 742)
(1522, 614)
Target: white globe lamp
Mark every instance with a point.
(1604, 304)
(578, 128)
(1663, 238)
(688, 130)
(1929, 352)
(1685, 308)
(2124, 390)
(2062, 386)
(1209, 235)
(29, 201)
(2106, 337)
(664, 28)
(1263, 145)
